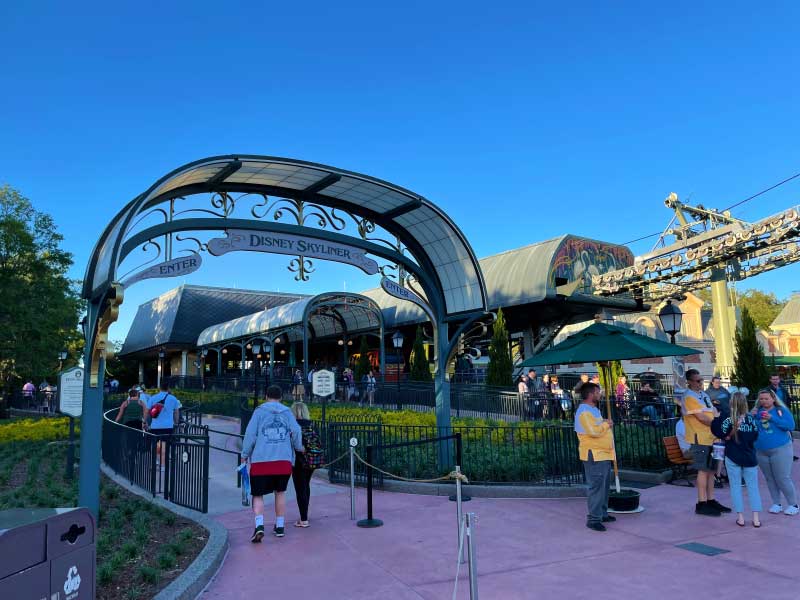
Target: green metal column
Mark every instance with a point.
(441, 387)
(91, 422)
(724, 325)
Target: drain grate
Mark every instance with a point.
(702, 549)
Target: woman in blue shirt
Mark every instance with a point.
(774, 450)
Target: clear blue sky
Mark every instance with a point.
(522, 121)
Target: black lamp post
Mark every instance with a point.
(671, 318)
(397, 342)
(62, 356)
(161, 356)
(256, 355)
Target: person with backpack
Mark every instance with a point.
(163, 413)
(307, 462)
(270, 442)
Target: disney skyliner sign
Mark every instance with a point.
(238, 240)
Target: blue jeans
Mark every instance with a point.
(750, 474)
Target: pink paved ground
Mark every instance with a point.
(526, 549)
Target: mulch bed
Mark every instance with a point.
(141, 547)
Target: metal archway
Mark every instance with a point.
(416, 238)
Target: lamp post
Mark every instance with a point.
(671, 318)
(161, 356)
(256, 355)
(397, 342)
(62, 356)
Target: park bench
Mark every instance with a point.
(680, 464)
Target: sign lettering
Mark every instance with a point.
(70, 392)
(398, 291)
(323, 383)
(170, 268)
(283, 243)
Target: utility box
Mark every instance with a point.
(47, 554)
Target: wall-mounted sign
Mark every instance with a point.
(169, 268)
(398, 291)
(284, 243)
(70, 392)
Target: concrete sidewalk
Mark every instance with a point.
(526, 548)
(223, 495)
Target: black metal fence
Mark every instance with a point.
(134, 454)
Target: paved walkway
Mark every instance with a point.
(525, 549)
(223, 495)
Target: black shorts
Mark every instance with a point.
(262, 485)
(166, 431)
(701, 458)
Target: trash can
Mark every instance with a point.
(47, 554)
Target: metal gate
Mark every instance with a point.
(186, 468)
(338, 442)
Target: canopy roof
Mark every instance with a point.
(173, 319)
(430, 236)
(601, 342)
(327, 314)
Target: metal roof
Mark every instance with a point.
(789, 315)
(431, 237)
(177, 316)
(329, 314)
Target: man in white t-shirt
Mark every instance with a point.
(167, 417)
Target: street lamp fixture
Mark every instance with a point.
(62, 355)
(256, 348)
(397, 339)
(205, 352)
(162, 354)
(671, 318)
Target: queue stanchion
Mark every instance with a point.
(473, 559)
(353, 444)
(369, 521)
(459, 514)
(459, 463)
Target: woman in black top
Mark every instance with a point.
(301, 474)
(739, 431)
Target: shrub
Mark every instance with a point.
(148, 574)
(34, 430)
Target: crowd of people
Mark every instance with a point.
(719, 432)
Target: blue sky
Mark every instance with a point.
(523, 121)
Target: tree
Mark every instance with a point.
(616, 371)
(40, 306)
(762, 306)
(363, 365)
(749, 366)
(420, 369)
(500, 368)
(125, 370)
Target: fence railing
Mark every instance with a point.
(135, 454)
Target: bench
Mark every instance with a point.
(680, 464)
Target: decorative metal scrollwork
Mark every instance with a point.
(201, 246)
(302, 266)
(300, 210)
(144, 248)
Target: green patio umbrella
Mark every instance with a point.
(603, 343)
(600, 342)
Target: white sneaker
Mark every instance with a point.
(792, 510)
(775, 509)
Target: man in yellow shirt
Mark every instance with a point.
(698, 412)
(596, 450)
